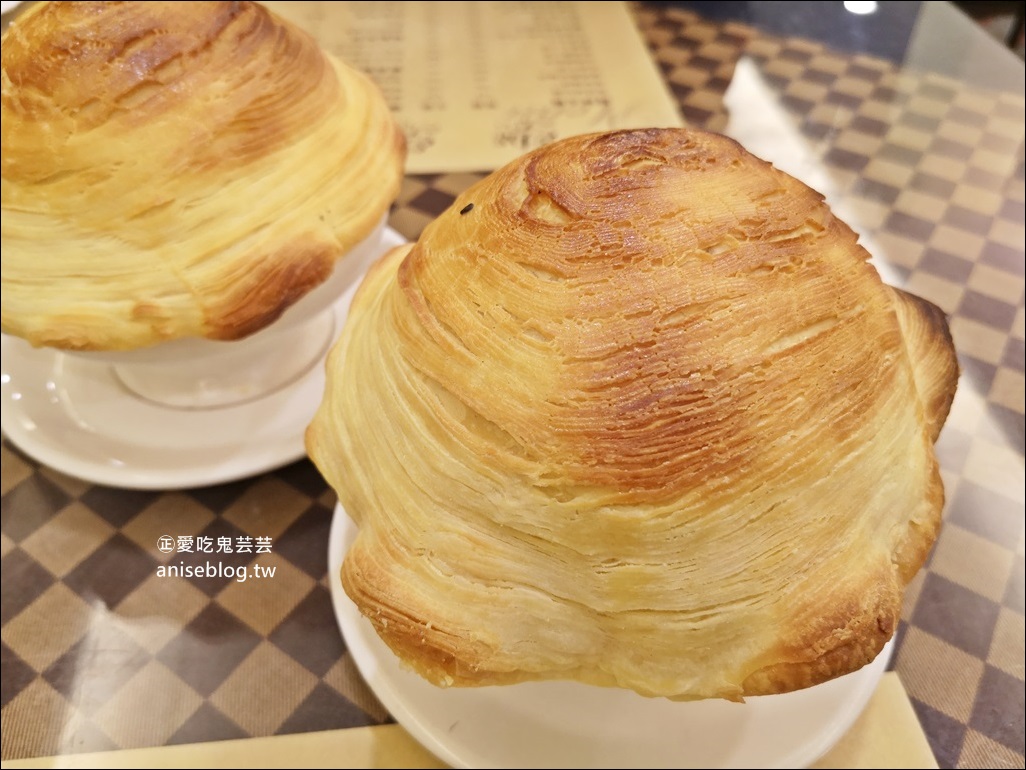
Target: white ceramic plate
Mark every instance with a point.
(74, 414)
(565, 724)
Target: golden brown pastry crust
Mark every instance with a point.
(178, 169)
(645, 417)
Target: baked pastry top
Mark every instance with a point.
(636, 411)
(178, 170)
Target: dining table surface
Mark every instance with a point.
(909, 120)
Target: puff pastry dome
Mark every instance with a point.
(644, 416)
(178, 170)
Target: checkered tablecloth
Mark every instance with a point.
(99, 652)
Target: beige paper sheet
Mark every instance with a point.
(887, 734)
(476, 84)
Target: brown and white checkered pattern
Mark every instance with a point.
(931, 175)
(99, 653)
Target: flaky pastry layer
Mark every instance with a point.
(178, 169)
(636, 411)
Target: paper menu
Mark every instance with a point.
(476, 84)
